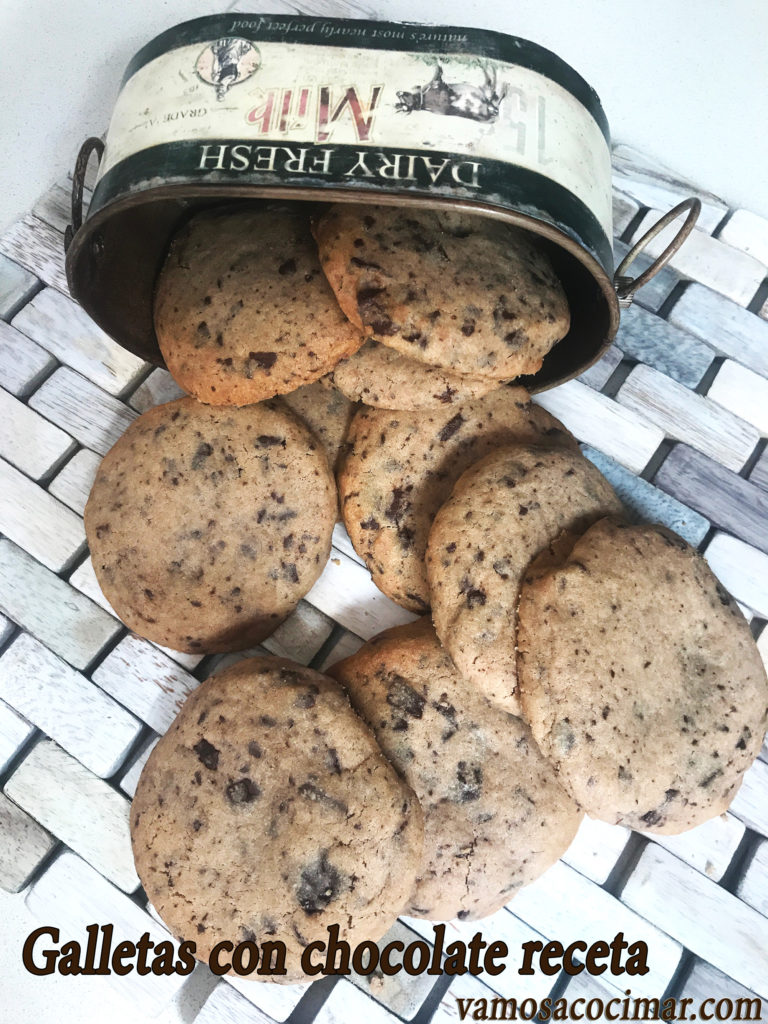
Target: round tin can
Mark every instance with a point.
(238, 106)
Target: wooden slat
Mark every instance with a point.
(37, 522)
(742, 569)
(145, 681)
(38, 248)
(73, 895)
(130, 779)
(624, 210)
(402, 994)
(63, 328)
(656, 342)
(688, 417)
(463, 986)
(55, 206)
(709, 847)
(24, 845)
(596, 849)
(656, 292)
(78, 406)
(759, 472)
(342, 543)
(157, 389)
(78, 808)
(707, 260)
(617, 431)
(347, 1003)
(727, 499)
(277, 1001)
(597, 376)
(752, 886)
(729, 329)
(347, 645)
(346, 592)
(301, 636)
(706, 982)
(17, 286)
(645, 503)
(67, 622)
(72, 484)
(750, 804)
(748, 232)
(226, 1006)
(67, 706)
(14, 733)
(679, 899)
(555, 903)
(27, 440)
(743, 392)
(23, 363)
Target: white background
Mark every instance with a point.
(686, 81)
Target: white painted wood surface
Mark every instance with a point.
(226, 1006)
(74, 895)
(66, 706)
(145, 681)
(598, 420)
(706, 982)
(750, 803)
(679, 899)
(463, 986)
(24, 845)
(729, 329)
(37, 522)
(596, 848)
(743, 392)
(749, 232)
(78, 406)
(742, 569)
(28, 441)
(64, 328)
(709, 847)
(17, 286)
(705, 259)
(347, 1003)
(346, 592)
(15, 730)
(689, 417)
(302, 634)
(752, 886)
(597, 376)
(277, 1001)
(23, 364)
(39, 248)
(401, 993)
(72, 484)
(347, 645)
(556, 902)
(130, 779)
(88, 815)
(157, 389)
(66, 621)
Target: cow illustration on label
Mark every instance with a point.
(226, 62)
(458, 99)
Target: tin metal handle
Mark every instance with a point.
(627, 286)
(91, 145)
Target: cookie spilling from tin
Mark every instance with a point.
(268, 812)
(242, 309)
(495, 814)
(207, 524)
(470, 294)
(640, 679)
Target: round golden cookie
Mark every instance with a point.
(327, 412)
(207, 525)
(401, 466)
(385, 379)
(268, 813)
(461, 291)
(243, 311)
(495, 815)
(640, 678)
(503, 512)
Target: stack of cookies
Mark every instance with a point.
(564, 660)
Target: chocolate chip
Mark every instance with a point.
(319, 884)
(332, 762)
(311, 791)
(475, 596)
(242, 791)
(468, 328)
(304, 700)
(207, 753)
(269, 441)
(254, 749)
(289, 267)
(470, 779)
(204, 450)
(403, 697)
(366, 264)
(268, 721)
(265, 360)
(652, 817)
(289, 572)
(369, 524)
(451, 427)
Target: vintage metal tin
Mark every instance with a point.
(240, 106)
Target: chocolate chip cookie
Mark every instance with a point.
(385, 379)
(640, 678)
(503, 512)
(327, 412)
(207, 525)
(495, 816)
(401, 467)
(243, 311)
(268, 812)
(461, 291)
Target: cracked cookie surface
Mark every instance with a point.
(495, 816)
(640, 678)
(461, 291)
(401, 466)
(243, 311)
(503, 512)
(268, 812)
(207, 525)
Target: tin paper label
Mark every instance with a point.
(253, 105)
